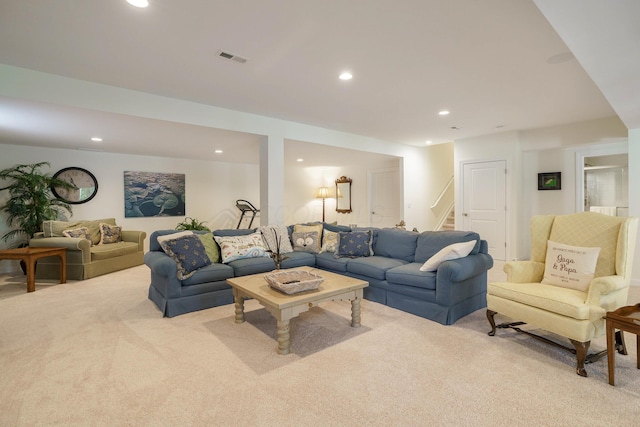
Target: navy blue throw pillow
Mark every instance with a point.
(188, 252)
(354, 244)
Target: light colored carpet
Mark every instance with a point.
(98, 352)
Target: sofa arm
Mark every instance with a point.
(524, 271)
(164, 273)
(135, 237)
(461, 278)
(70, 243)
(458, 270)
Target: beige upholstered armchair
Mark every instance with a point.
(557, 290)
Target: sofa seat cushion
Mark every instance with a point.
(328, 261)
(374, 266)
(556, 299)
(410, 275)
(211, 273)
(246, 266)
(396, 243)
(101, 252)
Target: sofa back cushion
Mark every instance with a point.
(430, 242)
(54, 228)
(396, 243)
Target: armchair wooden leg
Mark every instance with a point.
(490, 315)
(581, 354)
(621, 346)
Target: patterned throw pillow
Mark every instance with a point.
(305, 242)
(329, 241)
(238, 247)
(354, 244)
(189, 254)
(82, 232)
(110, 233)
(309, 228)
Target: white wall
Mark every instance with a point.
(548, 150)
(211, 187)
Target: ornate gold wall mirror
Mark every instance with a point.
(343, 195)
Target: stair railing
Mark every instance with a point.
(446, 190)
(443, 218)
(442, 193)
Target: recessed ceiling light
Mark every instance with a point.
(299, 160)
(96, 139)
(443, 113)
(218, 151)
(138, 3)
(346, 76)
(428, 142)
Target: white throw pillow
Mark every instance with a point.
(570, 266)
(454, 251)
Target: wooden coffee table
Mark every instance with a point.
(30, 255)
(283, 307)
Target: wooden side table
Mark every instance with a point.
(30, 255)
(625, 319)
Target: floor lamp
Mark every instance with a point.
(323, 193)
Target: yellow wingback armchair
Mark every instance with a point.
(571, 313)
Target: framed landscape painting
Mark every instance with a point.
(148, 194)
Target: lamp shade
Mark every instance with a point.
(323, 193)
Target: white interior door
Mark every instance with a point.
(384, 200)
(484, 204)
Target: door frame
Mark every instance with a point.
(507, 197)
(593, 151)
(370, 180)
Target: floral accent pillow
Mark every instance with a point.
(189, 254)
(82, 233)
(354, 244)
(329, 241)
(305, 242)
(110, 233)
(239, 247)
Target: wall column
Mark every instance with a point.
(272, 180)
(634, 202)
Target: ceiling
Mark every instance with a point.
(496, 65)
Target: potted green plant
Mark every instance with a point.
(30, 201)
(192, 224)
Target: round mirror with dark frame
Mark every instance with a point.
(343, 195)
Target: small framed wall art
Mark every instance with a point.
(550, 181)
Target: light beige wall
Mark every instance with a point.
(438, 171)
(302, 183)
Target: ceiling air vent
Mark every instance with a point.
(231, 56)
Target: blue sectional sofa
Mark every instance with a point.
(457, 288)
